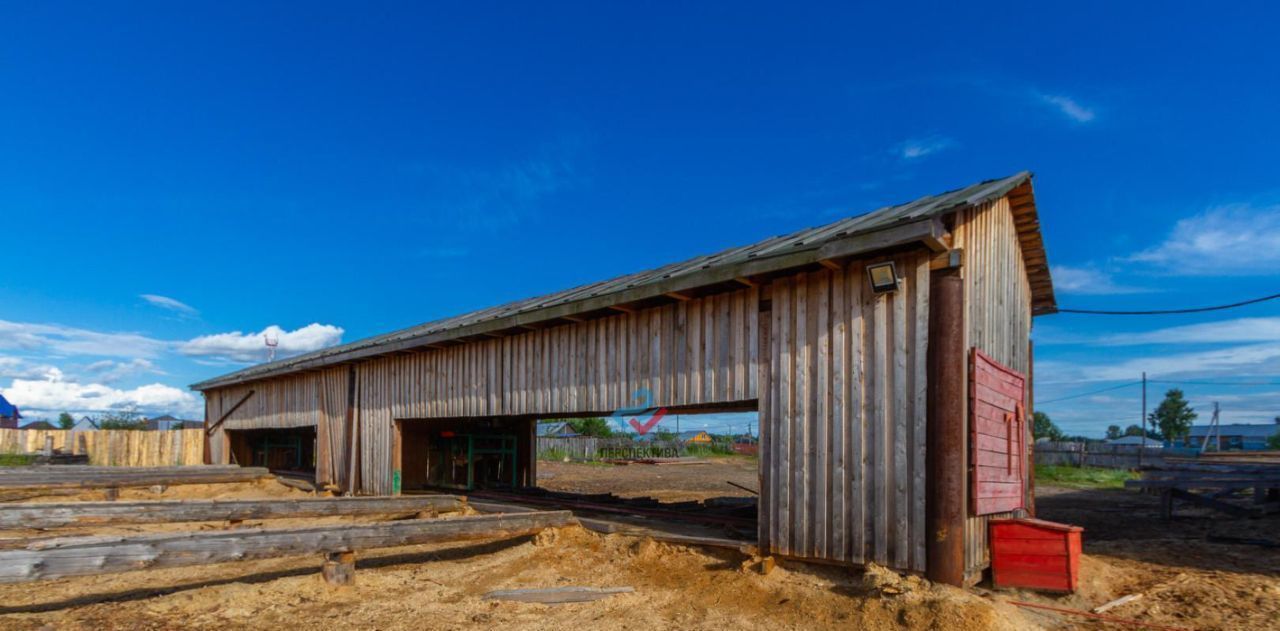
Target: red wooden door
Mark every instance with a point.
(997, 435)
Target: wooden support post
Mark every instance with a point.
(945, 453)
(339, 568)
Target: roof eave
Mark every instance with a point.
(929, 232)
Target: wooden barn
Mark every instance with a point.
(888, 356)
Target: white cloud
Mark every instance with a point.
(915, 148)
(1239, 330)
(251, 347)
(165, 302)
(1087, 281)
(54, 339)
(20, 368)
(1245, 359)
(54, 394)
(108, 371)
(1068, 107)
(1238, 239)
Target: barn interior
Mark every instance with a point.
(281, 450)
(465, 454)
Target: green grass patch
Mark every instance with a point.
(1083, 477)
(16, 460)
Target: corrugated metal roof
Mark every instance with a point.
(588, 296)
(1249, 430)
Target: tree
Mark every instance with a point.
(1042, 427)
(1113, 432)
(1273, 441)
(1173, 417)
(597, 427)
(66, 421)
(122, 419)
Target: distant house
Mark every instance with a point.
(1232, 436)
(39, 425)
(168, 421)
(556, 430)
(694, 437)
(84, 424)
(1135, 441)
(9, 414)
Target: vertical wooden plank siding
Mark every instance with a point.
(998, 316)
(686, 353)
(842, 423)
(314, 399)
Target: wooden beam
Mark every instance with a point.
(952, 258)
(86, 556)
(679, 295)
(339, 568)
(168, 476)
(622, 309)
(746, 282)
(224, 417)
(557, 595)
(75, 514)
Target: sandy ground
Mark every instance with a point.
(1188, 583)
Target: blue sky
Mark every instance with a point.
(177, 178)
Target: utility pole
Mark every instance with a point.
(1142, 450)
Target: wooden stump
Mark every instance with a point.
(339, 568)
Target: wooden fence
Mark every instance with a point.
(573, 448)
(122, 448)
(1098, 455)
(626, 448)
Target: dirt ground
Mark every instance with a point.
(667, 483)
(1188, 582)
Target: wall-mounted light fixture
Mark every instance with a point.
(884, 277)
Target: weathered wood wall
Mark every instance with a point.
(843, 417)
(998, 315)
(693, 352)
(124, 448)
(314, 399)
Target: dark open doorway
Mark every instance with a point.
(470, 454)
(286, 450)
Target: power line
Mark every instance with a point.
(1164, 381)
(1172, 311)
(1217, 383)
(1085, 394)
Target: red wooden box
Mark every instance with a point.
(1035, 554)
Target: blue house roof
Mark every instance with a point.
(561, 430)
(1244, 430)
(8, 409)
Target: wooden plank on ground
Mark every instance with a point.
(84, 556)
(61, 515)
(126, 478)
(557, 595)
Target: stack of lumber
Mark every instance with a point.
(88, 477)
(82, 556)
(80, 514)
